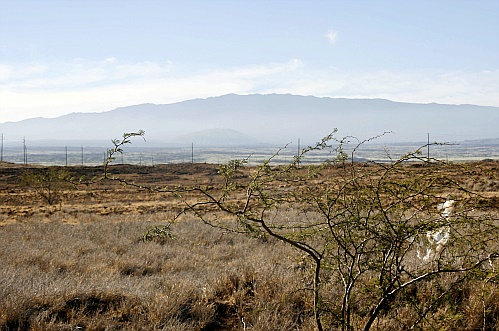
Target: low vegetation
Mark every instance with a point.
(100, 275)
(197, 247)
(49, 183)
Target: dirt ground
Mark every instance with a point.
(19, 202)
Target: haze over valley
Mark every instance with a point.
(237, 126)
(232, 120)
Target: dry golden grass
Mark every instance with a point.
(98, 274)
(82, 264)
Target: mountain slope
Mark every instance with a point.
(271, 118)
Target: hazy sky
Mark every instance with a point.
(64, 56)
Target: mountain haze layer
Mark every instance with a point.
(272, 119)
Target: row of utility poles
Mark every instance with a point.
(25, 153)
(67, 156)
(427, 145)
(25, 150)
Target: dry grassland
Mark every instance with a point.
(83, 264)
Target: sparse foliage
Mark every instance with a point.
(48, 183)
(119, 143)
(159, 234)
(358, 225)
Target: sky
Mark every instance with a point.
(64, 56)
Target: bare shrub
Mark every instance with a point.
(48, 183)
(361, 226)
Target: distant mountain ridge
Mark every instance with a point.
(270, 118)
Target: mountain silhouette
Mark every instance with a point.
(272, 118)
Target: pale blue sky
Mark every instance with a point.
(64, 56)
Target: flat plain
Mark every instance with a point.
(84, 263)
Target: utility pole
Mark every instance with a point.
(1, 154)
(25, 152)
(192, 153)
(298, 153)
(428, 145)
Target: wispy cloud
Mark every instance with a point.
(448, 87)
(81, 86)
(332, 36)
(14, 73)
(78, 74)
